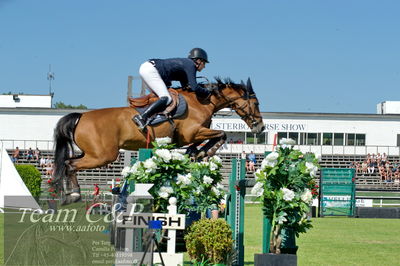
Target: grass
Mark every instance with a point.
(334, 240)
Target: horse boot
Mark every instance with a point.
(142, 120)
(75, 196)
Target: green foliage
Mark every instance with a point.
(209, 241)
(286, 186)
(31, 177)
(61, 105)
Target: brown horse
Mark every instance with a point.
(100, 134)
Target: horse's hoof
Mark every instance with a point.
(75, 197)
(200, 155)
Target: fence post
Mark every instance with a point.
(172, 209)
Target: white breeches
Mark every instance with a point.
(153, 80)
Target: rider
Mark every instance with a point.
(157, 74)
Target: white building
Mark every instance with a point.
(318, 132)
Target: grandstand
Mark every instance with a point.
(103, 176)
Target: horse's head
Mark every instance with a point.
(243, 100)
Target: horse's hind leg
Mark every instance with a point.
(87, 161)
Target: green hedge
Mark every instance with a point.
(31, 177)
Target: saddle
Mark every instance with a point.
(175, 109)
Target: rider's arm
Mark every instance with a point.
(194, 86)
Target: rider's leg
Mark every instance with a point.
(153, 80)
(142, 119)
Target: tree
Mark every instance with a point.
(61, 105)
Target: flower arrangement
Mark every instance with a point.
(195, 185)
(285, 185)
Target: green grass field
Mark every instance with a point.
(332, 241)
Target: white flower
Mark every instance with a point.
(126, 171)
(205, 163)
(287, 142)
(207, 179)
(164, 154)
(150, 165)
(258, 189)
(216, 159)
(288, 194)
(312, 169)
(216, 191)
(163, 141)
(177, 156)
(164, 192)
(220, 186)
(198, 190)
(135, 167)
(272, 156)
(281, 219)
(213, 166)
(184, 179)
(267, 163)
(306, 196)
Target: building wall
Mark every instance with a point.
(21, 100)
(38, 124)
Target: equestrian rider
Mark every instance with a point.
(158, 74)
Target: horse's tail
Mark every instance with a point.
(63, 140)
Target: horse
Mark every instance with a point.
(101, 133)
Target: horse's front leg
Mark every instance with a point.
(216, 140)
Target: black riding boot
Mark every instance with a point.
(141, 120)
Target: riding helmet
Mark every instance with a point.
(198, 53)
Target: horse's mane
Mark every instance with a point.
(228, 82)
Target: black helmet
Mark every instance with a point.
(198, 53)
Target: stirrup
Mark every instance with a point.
(141, 124)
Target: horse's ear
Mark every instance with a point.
(249, 86)
(242, 83)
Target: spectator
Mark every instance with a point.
(15, 155)
(384, 157)
(96, 193)
(382, 173)
(49, 170)
(36, 154)
(371, 166)
(252, 161)
(49, 160)
(358, 167)
(364, 167)
(29, 154)
(42, 162)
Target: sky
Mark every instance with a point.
(302, 56)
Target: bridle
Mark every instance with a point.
(246, 105)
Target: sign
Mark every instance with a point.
(141, 220)
(238, 125)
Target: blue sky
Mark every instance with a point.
(302, 56)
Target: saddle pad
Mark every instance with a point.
(161, 117)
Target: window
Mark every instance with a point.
(360, 139)
(294, 136)
(281, 135)
(235, 137)
(250, 139)
(350, 139)
(338, 139)
(313, 138)
(262, 138)
(327, 139)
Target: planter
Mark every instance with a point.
(270, 259)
